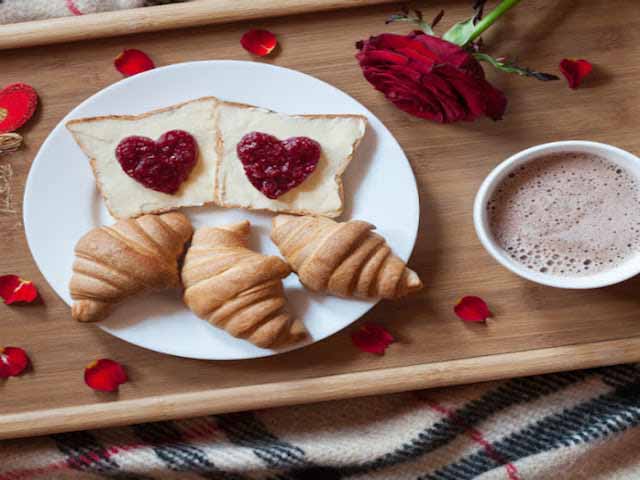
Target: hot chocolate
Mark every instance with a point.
(567, 214)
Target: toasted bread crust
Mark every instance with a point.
(138, 116)
(218, 188)
(92, 161)
(337, 178)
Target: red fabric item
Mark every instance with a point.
(18, 103)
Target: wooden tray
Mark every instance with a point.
(159, 17)
(535, 329)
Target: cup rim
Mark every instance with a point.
(618, 274)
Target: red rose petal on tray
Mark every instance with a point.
(18, 102)
(472, 309)
(575, 71)
(13, 361)
(372, 338)
(259, 42)
(14, 289)
(105, 375)
(132, 61)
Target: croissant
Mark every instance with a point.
(131, 256)
(344, 259)
(238, 289)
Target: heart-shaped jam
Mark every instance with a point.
(161, 165)
(276, 166)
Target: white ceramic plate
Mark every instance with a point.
(61, 202)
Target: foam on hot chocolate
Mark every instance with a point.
(567, 214)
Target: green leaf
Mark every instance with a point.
(422, 25)
(509, 67)
(460, 33)
(414, 17)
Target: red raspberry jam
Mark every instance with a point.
(161, 165)
(276, 166)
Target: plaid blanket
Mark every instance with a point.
(575, 425)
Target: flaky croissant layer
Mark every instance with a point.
(131, 256)
(238, 289)
(345, 259)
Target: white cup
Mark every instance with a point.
(624, 271)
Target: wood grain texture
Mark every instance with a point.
(160, 17)
(575, 329)
(250, 397)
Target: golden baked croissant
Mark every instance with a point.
(345, 259)
(238, 289)
(133, 255)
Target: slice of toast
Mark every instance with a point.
(321, 193)
(124, 196)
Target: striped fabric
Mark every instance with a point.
(576, 425)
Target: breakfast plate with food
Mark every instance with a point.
(217, 210)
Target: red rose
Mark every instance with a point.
(429, 77)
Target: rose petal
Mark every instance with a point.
(13, 361)
(259, 42)
(105, 375)
(472, 309)
(575, 71)
(14, 289)
(372, 338)
(479, 96)
(450, 54)
(133, 61)
(18, 103)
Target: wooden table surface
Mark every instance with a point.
(535, 328)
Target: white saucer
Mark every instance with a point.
(61, 202)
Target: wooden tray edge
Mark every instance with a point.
(349, 385)
(161, 17)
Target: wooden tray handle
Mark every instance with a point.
(161, 17)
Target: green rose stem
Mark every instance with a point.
(494, 15)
